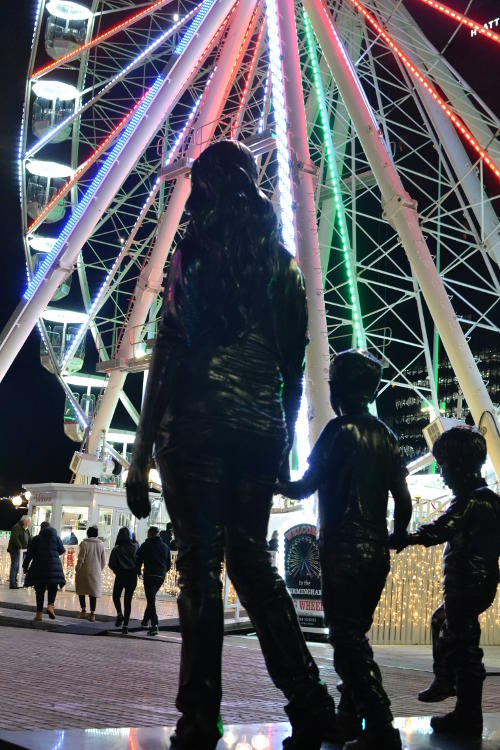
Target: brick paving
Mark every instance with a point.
(67, 602)
(53, 680)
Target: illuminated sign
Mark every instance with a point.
(303, 576)
(487, 25)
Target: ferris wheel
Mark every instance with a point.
(382, 163)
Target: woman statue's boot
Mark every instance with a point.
(377, 737)
(312, 716)
(202, 626)
(310, 708)
(349, 719)
(195, 732)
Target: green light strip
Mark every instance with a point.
(335, 183)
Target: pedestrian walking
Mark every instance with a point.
(273, 543)
(19, 539)
(43, 568)
(88, 574)
(221, 402)
(122, 562)
(153, 558)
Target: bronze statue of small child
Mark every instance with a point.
(471, 529)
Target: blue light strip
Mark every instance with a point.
(85, 201)
(20, 156)
(195, 25)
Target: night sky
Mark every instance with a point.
(33, 447)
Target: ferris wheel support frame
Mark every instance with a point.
(150, 280)
(454, 86)
(400, 210)
(317, 355)
(450, 141)
(468, 179)
(28, 311)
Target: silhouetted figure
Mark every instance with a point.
(154, 556)
(167, 536)
(19, 539)
(273, 543)
(471, 528)
(222, 398)
(354, 464)
(43, 568)
(122, 562)
(88, 572)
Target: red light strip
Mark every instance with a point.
(101, 38)
(465, 20)
(249, 77)
(86, 164)
(457, 122)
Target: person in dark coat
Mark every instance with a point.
(154, 556)
(167, 536)
(43, 568)
(19, 539)
(221, 403)
(354, 465)
(122, 562)
(471, 529)
(274, 542)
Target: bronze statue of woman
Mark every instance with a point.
(220, 408)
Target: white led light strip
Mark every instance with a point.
(281, 126)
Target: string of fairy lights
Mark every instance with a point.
(412, 592)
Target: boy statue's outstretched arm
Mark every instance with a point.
(300, 489)
(442, 529)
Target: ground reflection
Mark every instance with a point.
(415, 731)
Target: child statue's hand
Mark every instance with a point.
(399, 542)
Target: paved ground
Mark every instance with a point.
(67, 601)
(56, 680)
